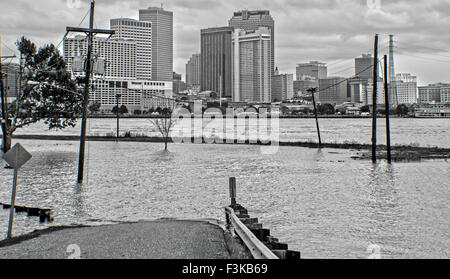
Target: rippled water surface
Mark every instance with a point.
(404, 131)
(320, 202)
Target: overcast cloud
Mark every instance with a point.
(331, 31)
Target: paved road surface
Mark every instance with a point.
(162, 239)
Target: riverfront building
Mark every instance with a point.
(282, 87)
(434, 93)
(161, 41)
(406, 87)
(251, 66)
(216, 60)
(193, 70)
(252, 21)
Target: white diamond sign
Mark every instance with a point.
(17, 156)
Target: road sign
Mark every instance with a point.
(17, 156)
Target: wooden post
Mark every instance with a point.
(386, 101)
(374, 101)
(233, 190)
(117, 113)
(86, 96)
(313, 91)
(13, 201)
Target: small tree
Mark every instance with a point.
(94, 107)
(365, 108)
(123, 109)
(164, 124)
(402, 110)
(47, 91)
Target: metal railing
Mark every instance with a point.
(254, 245)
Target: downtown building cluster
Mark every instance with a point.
(134, 67)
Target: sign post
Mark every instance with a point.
(16, 157)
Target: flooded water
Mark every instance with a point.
(404, 131)
(322, 203)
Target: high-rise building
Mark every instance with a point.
(364, 66)
(162, 41)
(311, 70)
(333, 90)
(216, 60)
(301, 86)
(251, 65)
(282, 86)
(193, 70)
(140, 33)
(368, 97)
(406, 86)
(11, 80)
(252, 21)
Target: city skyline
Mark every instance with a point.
(422, 45)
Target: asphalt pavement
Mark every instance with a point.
(162, 239)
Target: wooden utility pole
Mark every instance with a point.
(374, 101)
(313, 91)
(4, 121)
(117, 113)
(386, 102)
(89, 69)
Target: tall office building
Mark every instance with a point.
(282, 87)
(141, 33)
(162, 41)
(406, 86)
(120, 76)
(252, 21)
(215, 60)
(311, 70)
(252, 66)
(193, 70)
(364, 66)
(333, 90)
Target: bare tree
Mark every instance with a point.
(164, 124)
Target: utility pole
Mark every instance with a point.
(374, 101)
(386, 102)
(117, 113)
(313, 91)
(89, 69)
(4, 121)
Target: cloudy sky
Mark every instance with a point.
(331, 31)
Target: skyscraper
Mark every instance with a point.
(193, 70)
(216, 59)
(252, 76)
(141, 33)
(311, 70)
(162, 41)
(333, 90)
(251, 21)
(282, 87)
(364, 66)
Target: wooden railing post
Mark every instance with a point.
(233, 190)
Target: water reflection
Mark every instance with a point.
(383, 211)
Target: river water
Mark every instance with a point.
(321, 202)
